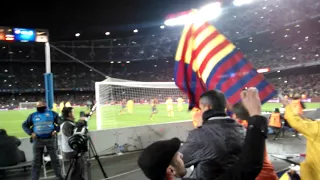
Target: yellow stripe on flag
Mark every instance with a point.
(203, 35)
(206, 50)
(188, 54)
(215, 59)
(180, 48)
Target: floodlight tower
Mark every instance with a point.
(206, 13)
(25, 35)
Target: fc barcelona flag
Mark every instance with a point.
(206, 60)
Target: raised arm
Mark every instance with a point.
(303, 125)
(251, 159)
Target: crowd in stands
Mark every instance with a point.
(268, 37)
(298, 84)
(288, 85)
(296, 43)
(302, 51)
(265, 15)
(9, 101)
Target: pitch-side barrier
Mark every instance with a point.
(112, 141)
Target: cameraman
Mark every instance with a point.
(77, 171)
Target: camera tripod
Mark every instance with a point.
(88, 164)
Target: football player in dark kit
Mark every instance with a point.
(154, 110)
(123, 106)
(42, 126)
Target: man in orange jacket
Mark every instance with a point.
(297, 105)
(267, 172)
(275, 119)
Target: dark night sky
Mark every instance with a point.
(64, 18)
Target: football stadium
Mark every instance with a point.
(139, 117)
(98, 90)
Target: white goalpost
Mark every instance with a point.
(27, 105)
(111, 92)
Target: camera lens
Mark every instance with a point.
(78, 143)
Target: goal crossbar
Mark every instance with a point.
(140, 84)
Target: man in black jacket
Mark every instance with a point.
(217, 144)
(162, 161)
(10, 154)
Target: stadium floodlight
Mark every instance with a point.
(263, 70)
(206, 13)
(241, 2)
(180, 20)
(107, 33)
(209, 12)
(135, 31)
(77, 34)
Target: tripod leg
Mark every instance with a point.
(96, 156)
(74, 161)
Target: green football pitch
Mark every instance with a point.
(11, 120)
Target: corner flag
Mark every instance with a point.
(205, 60)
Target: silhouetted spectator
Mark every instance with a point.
(10, 154)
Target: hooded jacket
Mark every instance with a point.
(214, 147)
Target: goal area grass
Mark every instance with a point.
(11, 120)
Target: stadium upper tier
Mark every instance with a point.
(292, 44)
(265, 15)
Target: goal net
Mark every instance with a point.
(115, 110)
(27, 105)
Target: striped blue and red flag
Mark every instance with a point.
(205, 60)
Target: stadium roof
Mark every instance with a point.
(65, 18)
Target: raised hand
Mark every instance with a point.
(251, 101)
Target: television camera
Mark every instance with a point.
(81, 142)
